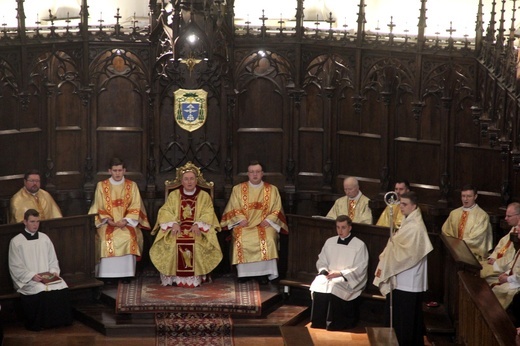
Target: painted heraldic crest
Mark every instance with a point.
(190, 108)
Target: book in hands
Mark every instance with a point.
(49, 278)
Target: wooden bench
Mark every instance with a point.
(73, 239)
(306, 239)
(482, 320)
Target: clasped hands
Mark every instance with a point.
(331, 275)
(120, 224)
(39, 278)
(176, 229)
(245, 223)
(503, 278)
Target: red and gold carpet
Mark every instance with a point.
(223, 296)
(194, 329)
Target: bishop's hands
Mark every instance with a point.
(176, 229)
(196, 230)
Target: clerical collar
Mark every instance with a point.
(470, 208)
(114, 182)
(260, 184)
(357, 196)
(346, 240)
(29, 236)
(189, 193)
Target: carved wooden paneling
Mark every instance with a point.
(482, 321)
(73, 239)
(311, 137)
(260, 123)
(311, 233)
(120, 112)
(358, 155)
(482, 168)
(417, 161)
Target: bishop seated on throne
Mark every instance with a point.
(186, 248)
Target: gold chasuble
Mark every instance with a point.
(186, 256)
(118, 202)
(254, 243)
(506, 291)
(503, 254)
(384, 219)
(41, 201)
(473, 227)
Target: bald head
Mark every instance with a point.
(513, 214)
(351, 187)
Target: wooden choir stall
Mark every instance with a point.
(73, 238)
(467, 308)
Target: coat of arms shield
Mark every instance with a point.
(190, 108)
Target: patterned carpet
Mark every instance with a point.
(224, 295)
(194, 329)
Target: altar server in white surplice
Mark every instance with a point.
(32, 265)
(342, 275)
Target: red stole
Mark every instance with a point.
(186, 239)
(109, 203)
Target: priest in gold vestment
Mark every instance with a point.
(354, 204)
(31, 196)
(255, 215)
(508, 284)
(401, 187)
(120, 217)
(471, 224)
(186, 248)
(504, 252)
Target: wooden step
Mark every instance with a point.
(103, 319)
(437, 321)
(284, 315)
(100, 315)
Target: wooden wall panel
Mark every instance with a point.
(311, 137)
(417, 161)
(266, 111)
(125, 145)
(115, 110)
(9, 105)
(310, 158)
(346, 118)
(264, 146)
(358, 155)
(120, 116)
(24, 145)
(311, 115)
(429, 122)
(370, 118)
(477, 166)
(69, 142)
(466, 130)
(261, 129)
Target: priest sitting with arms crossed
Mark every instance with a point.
(342, 267)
